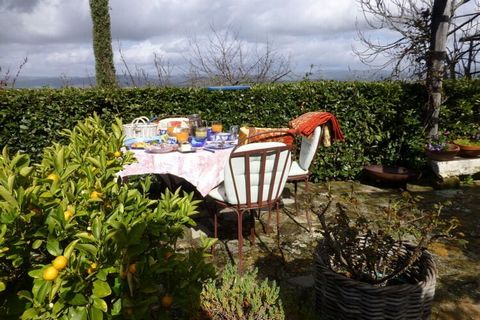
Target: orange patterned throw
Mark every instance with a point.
(306, 123)
(268, 134)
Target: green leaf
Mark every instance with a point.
(41, 293)
(97, 227)
(24, 294)
(37, 273)
(87, 248)
(6, 195)
(78, 300)
(78, 313)
(29, 314)
(100, 304)
(101, 289)
(3, 286)
(53, 246)
(117, 307)
(95, 313)
(37, 243)
(25, 171)
(69, 249)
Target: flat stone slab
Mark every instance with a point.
(456, 167)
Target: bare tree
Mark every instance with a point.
(224, 59)
(141, 77)
(6, 77)
(441, 16)
(410, 21)
(164, 70)
(465, 45)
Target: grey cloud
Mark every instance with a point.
(19, 5)
(56, 34)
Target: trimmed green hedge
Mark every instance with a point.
(381, 120)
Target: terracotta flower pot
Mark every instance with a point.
(467, 151)
(444, 155)
(390, 173)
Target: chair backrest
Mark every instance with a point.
(308, 148)
(256, 173)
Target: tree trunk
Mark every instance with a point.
(441, 15)
(102, 43)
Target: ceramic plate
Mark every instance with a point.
(161, 148)
(219, 145)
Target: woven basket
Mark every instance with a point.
(140, 128)
(339, 297)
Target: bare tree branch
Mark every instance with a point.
(224, 59)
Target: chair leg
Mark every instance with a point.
(307, 212)
(252, 226)
(215, 225)
(295, 196)
(277, 205)
(240, 241)
(267, 231)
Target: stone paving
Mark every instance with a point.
(288, 258)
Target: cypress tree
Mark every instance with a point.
(102, 43)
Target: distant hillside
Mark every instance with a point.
(181, 81)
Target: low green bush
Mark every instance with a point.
(236, 297)
(382, 121)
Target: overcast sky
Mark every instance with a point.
(55, 35)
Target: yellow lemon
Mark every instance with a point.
(95, 195)
(60, 262)
(92, 269)
(53, 177)
(117, 154)
(167, 301)
(132, 268)
(50, 274)
(67, 214)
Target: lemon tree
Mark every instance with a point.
(94, 247)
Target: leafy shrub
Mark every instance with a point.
(234, 296)
(93, 247)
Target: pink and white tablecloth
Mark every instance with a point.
(202, 169)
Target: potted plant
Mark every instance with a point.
(470, 146)
(376, 268)
(440, 148)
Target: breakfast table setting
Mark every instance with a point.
(187, 147)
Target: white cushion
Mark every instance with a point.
(296, 170)
(309, 148)
(219, 193)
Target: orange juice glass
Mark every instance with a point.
(182, 135)
(217, 126)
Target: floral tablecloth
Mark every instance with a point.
(202, 169)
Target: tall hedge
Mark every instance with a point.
(381, 120)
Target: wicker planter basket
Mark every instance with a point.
(339, 297)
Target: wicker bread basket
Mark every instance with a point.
(140, 128)
(339, 297)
